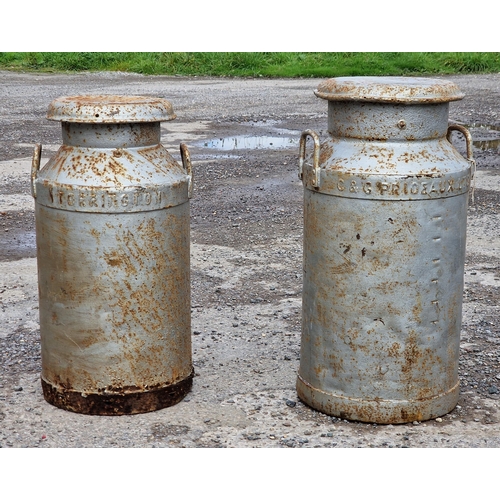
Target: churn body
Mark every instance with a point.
(112, 228)
(385, 210)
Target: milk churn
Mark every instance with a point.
(112, 230)
(385, 209)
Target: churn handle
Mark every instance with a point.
(470, 157)
(302, 155)
(186, 162)
(35, 166)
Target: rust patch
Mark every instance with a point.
(125, 403)
(411, 353)
(417, 310)
(110, 109)
(393, 350)
(326, 151)
(120, 259)
(389, 89)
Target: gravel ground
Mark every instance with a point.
(246, 251)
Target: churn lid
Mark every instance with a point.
(110, 109)
(390, 89)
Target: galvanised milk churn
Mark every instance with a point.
(385, 209)
(112, 228)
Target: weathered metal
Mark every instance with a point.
(112, 229)
(385, 212)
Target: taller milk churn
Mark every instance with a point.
(385, 212)
(112, 229)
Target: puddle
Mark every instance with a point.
(488, 136)
(249, 142)
(21, 245)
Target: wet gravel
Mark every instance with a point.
(246, 257)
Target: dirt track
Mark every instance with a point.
(246, 271)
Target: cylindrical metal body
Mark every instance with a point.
(112, 229)
(385, 212)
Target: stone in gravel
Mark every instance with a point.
(290, 403)
(252, 437)
(493, 390)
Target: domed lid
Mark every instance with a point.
(110, 109)
(389, 89)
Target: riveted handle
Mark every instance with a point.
(186, 162)
(35, 167)
(302, 154)
(470, 157)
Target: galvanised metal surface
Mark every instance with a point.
(385, 212)
(112, 228)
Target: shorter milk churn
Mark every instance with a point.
(385, 212)
(112, 229)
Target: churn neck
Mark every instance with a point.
(388, 108)
(110, 121)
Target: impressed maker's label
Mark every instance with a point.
(392, 187)
(82, 199)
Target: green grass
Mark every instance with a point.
(256, 64)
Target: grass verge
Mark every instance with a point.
(256, 64)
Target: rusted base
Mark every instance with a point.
(378, 412)
(117, 404)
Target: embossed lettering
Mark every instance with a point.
(463, 183)
(383, 187)
(112, 202)
(93, 199)
(426, 187)
(81, 199)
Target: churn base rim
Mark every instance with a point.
(117, 404)
(379, 412)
